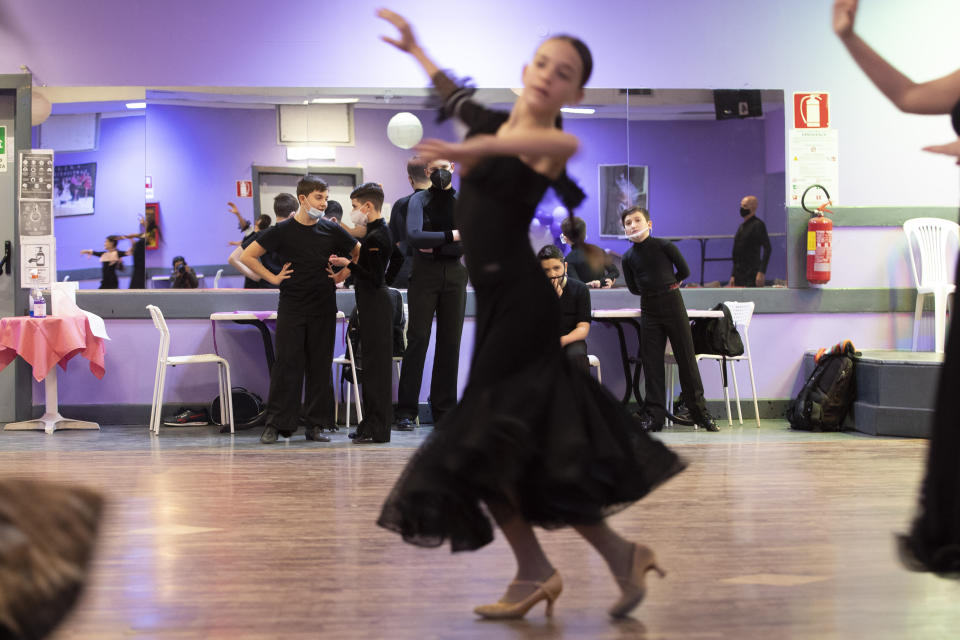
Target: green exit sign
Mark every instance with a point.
(3, 140)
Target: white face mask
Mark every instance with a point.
(639, 234)
(358, 218)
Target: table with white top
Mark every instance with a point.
(255, 319)
(620, 317)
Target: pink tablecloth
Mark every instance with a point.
(45, 342)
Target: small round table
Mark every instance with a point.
(45, 343)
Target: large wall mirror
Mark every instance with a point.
(198, 146)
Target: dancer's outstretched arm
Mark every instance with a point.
(933, 97)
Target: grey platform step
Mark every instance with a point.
(896, 391)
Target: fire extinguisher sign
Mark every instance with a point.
(811, 110)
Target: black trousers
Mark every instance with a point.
(304, 349)
(665, 316)
(436, 287)
(576, 353)
(375, 312)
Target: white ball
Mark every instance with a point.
(40, 108)
(405, 130)
(559, 213)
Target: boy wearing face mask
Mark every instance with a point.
(438, 285)
(653, 269)
(306, 313)
(375, 312)
(574, 306)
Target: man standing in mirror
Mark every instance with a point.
(438, 285)
(751, 247)
(399, 277)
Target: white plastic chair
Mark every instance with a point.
(347, 359)
(594, 362)
(164, 359)
(742, 313)
(216, 279)
(935, 241)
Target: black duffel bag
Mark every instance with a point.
(248, 410)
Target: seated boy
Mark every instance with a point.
(653, 269)
(306, 312)
(574, 306)
(374, 311)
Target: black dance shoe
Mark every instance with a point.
(706, 422)
(404, 424)
(269, 435)
(647, 423)
(316, 434)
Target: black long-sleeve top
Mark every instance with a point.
(751, 249)
(398, 231)
(375, 251)
(653, 266)
(108, 270)
(430, 222)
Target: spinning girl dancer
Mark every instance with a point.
(533, 438)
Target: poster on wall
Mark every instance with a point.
(36, 218)
(621, 187)
(37, 259)
(36, 174)
(74, 189)
(151, 225)
(814, 160)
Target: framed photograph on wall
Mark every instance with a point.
(621, 187)
(74, 189)
(151, 224)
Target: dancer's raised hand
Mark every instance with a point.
(844, 14)
(407, 41)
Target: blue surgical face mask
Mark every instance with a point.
(314, 213)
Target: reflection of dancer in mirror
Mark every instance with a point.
(587, 262)
(533, 438)
(933, 543)
(138, 279)
(110, 262)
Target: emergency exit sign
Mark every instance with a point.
(3, 149)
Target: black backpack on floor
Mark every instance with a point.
(828, 393)
(718, 336)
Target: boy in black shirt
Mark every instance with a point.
(375, 312)
(574, 306)
(654, 269)
(306, 313)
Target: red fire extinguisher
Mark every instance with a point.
(819, 239)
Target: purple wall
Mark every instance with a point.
(132, 352)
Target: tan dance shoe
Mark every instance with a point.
(548, 590)
(634, 586)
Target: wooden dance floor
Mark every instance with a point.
(769, 534)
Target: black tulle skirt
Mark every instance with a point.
(933, 543)
(532, 433)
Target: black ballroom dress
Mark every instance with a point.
(531, 432)
(933, 543)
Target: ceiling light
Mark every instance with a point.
(136, 105)
(583, 110)
(311, 153)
